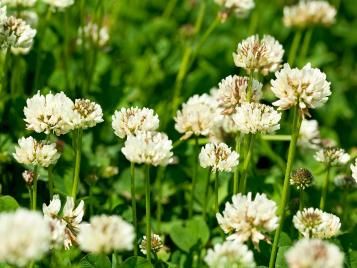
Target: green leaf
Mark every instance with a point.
(190, 233)
(95, 261)
(8, 203)
(136, 262)
(280, 259)
(353, 258)
(284, 240)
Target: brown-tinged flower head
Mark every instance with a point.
(314, 253)
(241, 8)
(28, 176)
(259, 55)
(97, 35)
(87, 114)
(308, 13)
(332, 156)
(345, 182)
(301, 178)
(156, 244)
(233, 91)
(307, 88)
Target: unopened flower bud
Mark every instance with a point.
(28, 176)
(301, 178)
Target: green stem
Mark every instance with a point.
(206, 193)
(78, 147)
(65, 51)
(207, 33)
(30, 195)
(250, 87)
(305, 45)
(34, 189)
(133, 206)
(238, 141)
(169, 8)
(194, 177)
(50, 180)
(301, 204)
(114, 260)
(291, 154)
(325, 188)
(159, 177)
(276, 137)
(5, 70)
(344, 218)
(294, 47)
(216, 187)
(148, 213)
(248, 156)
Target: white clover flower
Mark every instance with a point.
(37, 153)
(196, 116)
(97, 36)
(345, 182)
(314, 253)
(306, 87)
(301, 178)
(25, 237)
(230, 254)
(314, 223)
(129, 121)
(248, 218)
(18, 3)
(51, 113)
(354, 170)
(256, 118)
(87, 114)
(233, 91)
(148, 147)
(14, 32)
(156, 244)
(105, 234)
(59, 4)
(332, 156)
(259, 55)
(241, 8)
(309, 13)
(65, 225)
(309, 136)
(219, 157)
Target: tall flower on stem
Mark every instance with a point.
(218, 157)
(330, 156)
(301, 90)
(127, 122)
(36, 154)
(301, 178)
(152, 149)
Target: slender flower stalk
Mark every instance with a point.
(301, 199)
(133, 206)
(50, 180)
(208, 180)
(297, 118)
(33, 198)
(325, 188)
(77, 150)
(148, 213)
(194, 177)
(247, 159)
(294, 47)
(305, 45)
(65, 50)
(275, 137)
(160, 175)
(236, 170)
(216, 188)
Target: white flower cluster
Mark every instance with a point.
(230, 254)
(314, 253)
(25, 237)
(306, 87)
(233, 91)
(37, 153)
(219, 157)
(56, 113)
(314, 223)
(256, 118)
(240, 7)
(332, 156)
(354, 170)
(18, 3)
(309, 136)
(59, 4)
(148, 147)
(249, 218)
(14, 32)
(65, 225)
(129, 121)
(105, 234)
(97, 36)
(156, 244)
(196, 116)
(345, 182)
(308, 13)
(259, 55)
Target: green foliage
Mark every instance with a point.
(8, 203)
